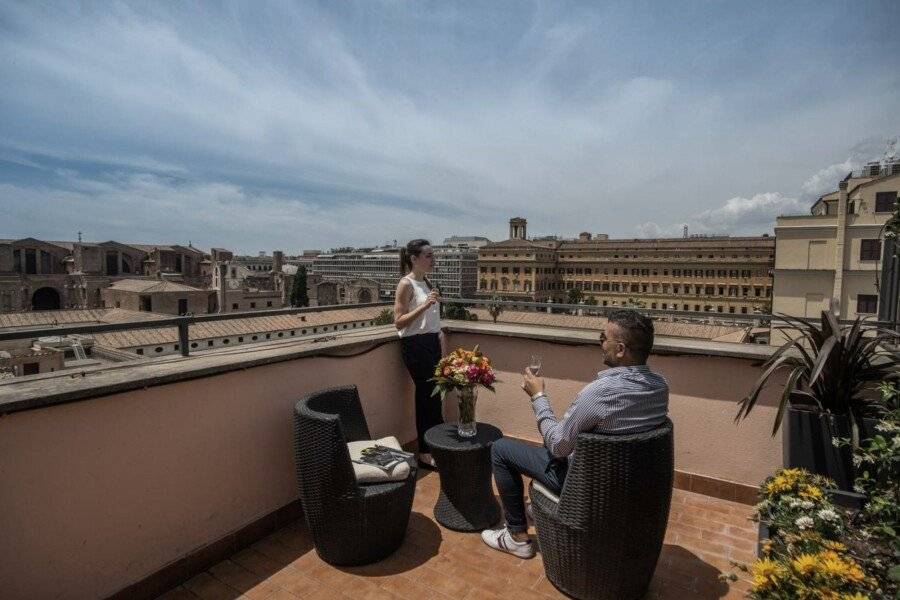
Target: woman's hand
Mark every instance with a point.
(434, 297)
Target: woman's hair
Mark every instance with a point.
(413, 248)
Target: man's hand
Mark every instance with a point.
(531, 383)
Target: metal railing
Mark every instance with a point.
(182, 323)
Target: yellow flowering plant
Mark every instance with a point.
(794, 500)
(805, 557)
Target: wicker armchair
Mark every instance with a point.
(602, 536)
(351, 524)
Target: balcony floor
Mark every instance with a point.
(703, 536)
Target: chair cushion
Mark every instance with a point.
(370, 474)
(538, 486)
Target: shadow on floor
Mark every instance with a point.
(682, 574)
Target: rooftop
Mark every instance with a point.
(174, 475)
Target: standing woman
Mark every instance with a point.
(417, 316)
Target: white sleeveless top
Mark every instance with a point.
(430, 320)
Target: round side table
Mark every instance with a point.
(466, 500)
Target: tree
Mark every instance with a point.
(455, 311)
(575, 296)
(385, 317)
(299, 296)
(634, 303)
(495, 308)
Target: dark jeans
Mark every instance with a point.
(512, 459)
(421, 354)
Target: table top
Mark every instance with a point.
(446, 437)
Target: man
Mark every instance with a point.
(625, 398)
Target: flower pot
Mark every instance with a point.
(808, 442)
(467, 397)
(807, 436)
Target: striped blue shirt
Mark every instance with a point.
(620, 400)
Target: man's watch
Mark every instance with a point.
(538, 395)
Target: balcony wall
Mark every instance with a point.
(140, 467)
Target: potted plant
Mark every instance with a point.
(831, 368)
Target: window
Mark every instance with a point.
(866, 304)
(253, 305)
(234, 306)
(269, 303)
(30, 262)
(869, 249)
(146, 303)
(885, 201)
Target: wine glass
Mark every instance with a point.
(535, 364)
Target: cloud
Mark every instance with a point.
(738, 216)
(434, 121)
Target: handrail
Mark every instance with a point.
(181, 322)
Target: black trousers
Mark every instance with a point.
(421, 354)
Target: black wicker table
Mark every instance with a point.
(466, 501)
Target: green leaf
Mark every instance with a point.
(894, 573)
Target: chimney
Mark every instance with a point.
(685, 231)
(220, 291)
(277, 260)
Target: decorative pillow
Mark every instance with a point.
(371, 474)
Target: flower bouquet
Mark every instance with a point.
(463, 371)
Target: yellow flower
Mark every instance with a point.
(811, 492)
(855, 596)
(805, 564)
(765, 572)
(835, 566)
(777, 485)
(835, 546)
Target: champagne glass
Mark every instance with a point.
(535, 364)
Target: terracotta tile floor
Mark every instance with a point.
(704, 535)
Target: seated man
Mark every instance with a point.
(626, 398)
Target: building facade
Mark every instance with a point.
(728, 275)
(49, 275)
(835, 255)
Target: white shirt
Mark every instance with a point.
(430, 320)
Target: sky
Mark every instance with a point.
(296, 125)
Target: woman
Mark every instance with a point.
(417, 317)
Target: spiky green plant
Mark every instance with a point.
(830, 365)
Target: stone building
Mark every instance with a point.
(326, 291)
(730, 275)
(159, 296)
(49, 275)
(837, 254)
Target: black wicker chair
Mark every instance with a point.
(351, 524)
(602, 537)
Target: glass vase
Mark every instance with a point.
(468, 396)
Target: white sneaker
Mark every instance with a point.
(502, 540)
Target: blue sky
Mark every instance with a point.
(267, 125)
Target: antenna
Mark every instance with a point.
(79, 237)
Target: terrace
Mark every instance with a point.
(174, 476)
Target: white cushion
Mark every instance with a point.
(370, 474)
(539, 487)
